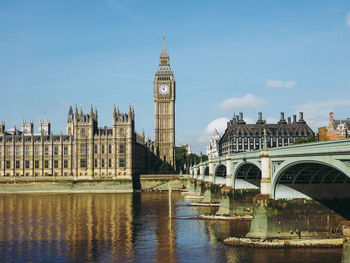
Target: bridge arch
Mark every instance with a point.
(206, 170)
(247, 175)
(220, 173)
(322, 181)
(206, 173)
(198, 173)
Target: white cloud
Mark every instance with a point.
(219, 124)
(279, 84)
(317, 113)
(347, 20)
(248, 102)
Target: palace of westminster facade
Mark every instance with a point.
(86, 149)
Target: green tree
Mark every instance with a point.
(166, 168)
(184, 160)
(308, 139)
(204, 158)
(180, 157)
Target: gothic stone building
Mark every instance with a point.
(241, 137)
(164, 104)
(86, 150)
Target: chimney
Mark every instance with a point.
(301, 116)
(331, 117)
(282, 120)
(260, 120)
(294, 118)
(282, 116)
(289, 120)
(241, 116)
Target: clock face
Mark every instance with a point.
(163, 89)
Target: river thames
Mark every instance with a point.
(126, 228)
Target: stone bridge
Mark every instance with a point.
(319, 170)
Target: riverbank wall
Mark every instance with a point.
(88, 185)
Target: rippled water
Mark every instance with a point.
(126, 228)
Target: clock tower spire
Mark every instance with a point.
(164, 108)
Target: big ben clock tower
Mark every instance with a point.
(164, 105)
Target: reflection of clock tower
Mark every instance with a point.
(164, 104)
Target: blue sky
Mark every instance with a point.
(227, 56)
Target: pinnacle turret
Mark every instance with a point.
(164, 53)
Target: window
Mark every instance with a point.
(55, 164)
(65, 163)
(36, 150)
(46, 164)
(95, 149)
(109, 148)
(27, 150)
(109, 163)
(8, 151)
(27, 164)
(8, 164)
(83, 149)
(46, 150)
(36, 164)
(103, 149)
(121, 148)
(96, 163)
(83, 132)
(18, 164)
(122, 162)
(55, 150)
(18, 150)
(65, 150)
(122, 132)
(82, 163)
(103, 163)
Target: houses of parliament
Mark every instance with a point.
(86, 149)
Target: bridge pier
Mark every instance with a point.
(201, 173)
(293, 219)
(229, 173)
(190, 185)
(265, 184)
(237, 202)
(211, 172)
(212, 194)
(346, 244)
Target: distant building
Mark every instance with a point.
(241, 137)
(27, 127)
(45, 127)
(187, 147)
(336, 129)
(213, 146)
(322, 134)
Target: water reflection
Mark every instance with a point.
(125, 228)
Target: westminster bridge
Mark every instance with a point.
(319, 170)
(289, 192)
